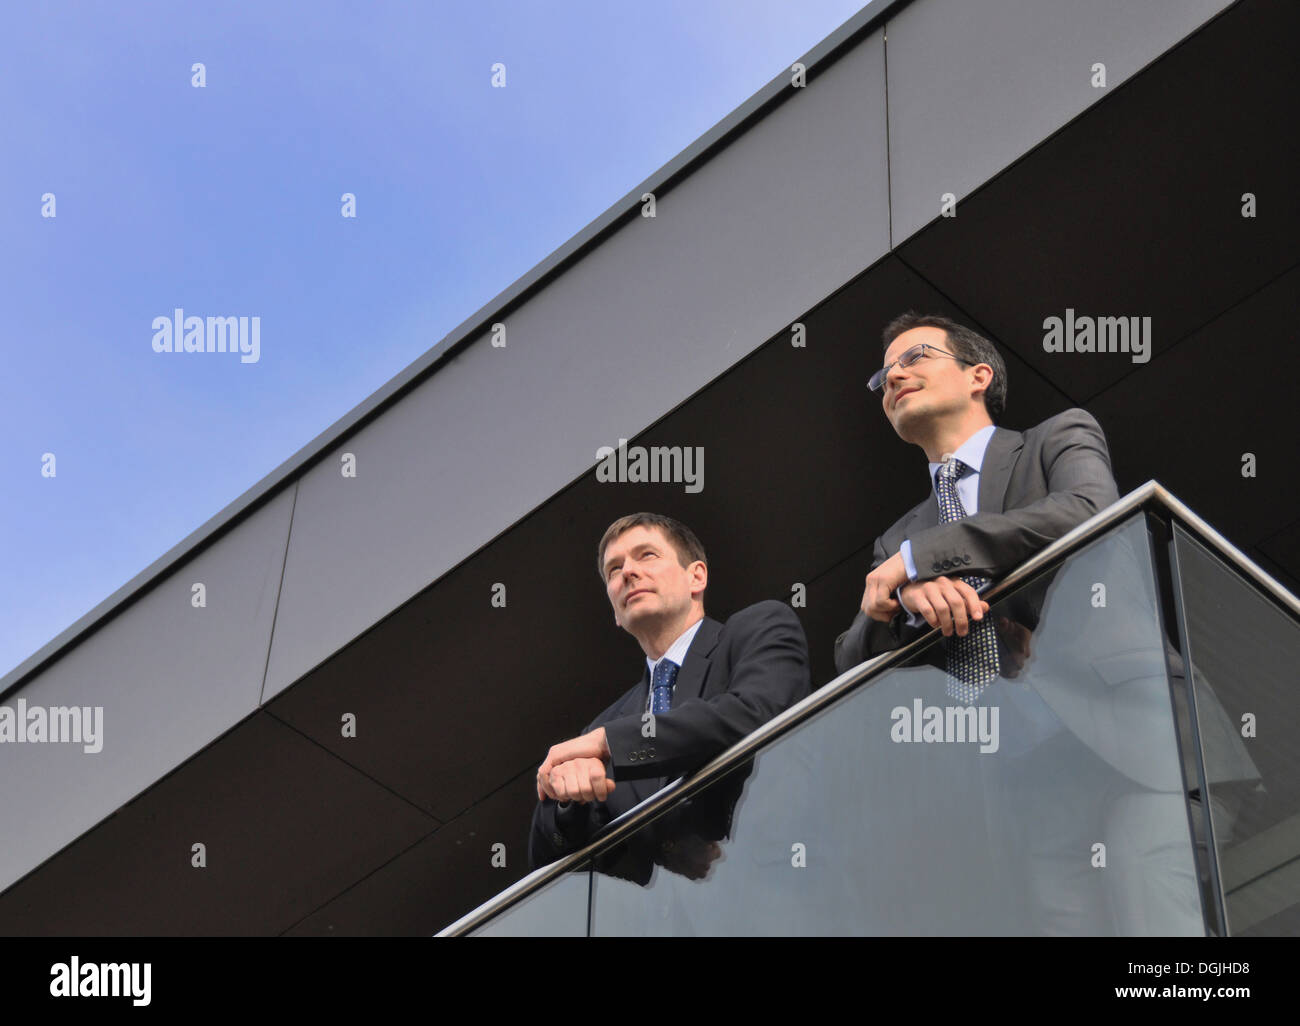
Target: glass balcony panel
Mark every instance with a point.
(1052, 804)
(558, 909)
(1243, 650)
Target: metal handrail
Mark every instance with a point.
(1149, 494)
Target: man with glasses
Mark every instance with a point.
(1087, 749)
(997, 497)
(1055, 785)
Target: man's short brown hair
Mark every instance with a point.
(968, 346)
(681, 537)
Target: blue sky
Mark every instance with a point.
(225, 200)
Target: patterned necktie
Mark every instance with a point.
(665, 676)
(972, 660)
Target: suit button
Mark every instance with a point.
(965, 559)
(635, 756)
(652, 753)
(947, 564)
(936, 568)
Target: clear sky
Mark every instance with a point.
(226, 200)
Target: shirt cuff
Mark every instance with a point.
(905, 550)
(913, 620)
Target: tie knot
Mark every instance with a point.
(952, 469)
(665, 673)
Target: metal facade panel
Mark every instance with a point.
(169, 678)
(974, 86)
(788, 212)
(285, 828)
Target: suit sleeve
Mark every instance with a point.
(558, 831)
(769, 673)
(868, 638)
(1080, 483)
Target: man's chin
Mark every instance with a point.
(635, 617)
(902, 421)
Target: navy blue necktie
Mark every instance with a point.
(665, 676)
(972, 660)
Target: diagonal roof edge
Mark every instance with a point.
(866, 20)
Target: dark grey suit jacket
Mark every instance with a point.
(735, 677)
(1034, 487)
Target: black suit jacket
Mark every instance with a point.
(735, 677)
(1034, 487)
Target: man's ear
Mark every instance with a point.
(699, 576)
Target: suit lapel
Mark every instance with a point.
(640, 699)
(918, 518)
(995, 472)
(690, 678)
(924, 515)
(995, 476)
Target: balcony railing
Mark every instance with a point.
(1132, 771)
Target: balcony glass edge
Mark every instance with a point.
(1148, 496)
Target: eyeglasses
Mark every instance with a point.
(908, 358)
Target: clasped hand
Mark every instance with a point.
(574, 770)
(945, 602)
(948, 603)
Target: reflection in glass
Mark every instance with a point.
(1242, 650)
(686, 841)
(1054, 804)
(557, 910)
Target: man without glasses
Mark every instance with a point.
(704, 685)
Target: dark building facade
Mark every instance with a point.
(1003, 162)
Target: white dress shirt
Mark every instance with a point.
(676, 653)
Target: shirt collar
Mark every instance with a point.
(677, 650)
(970, 452)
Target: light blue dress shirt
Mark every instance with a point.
(971, 452)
